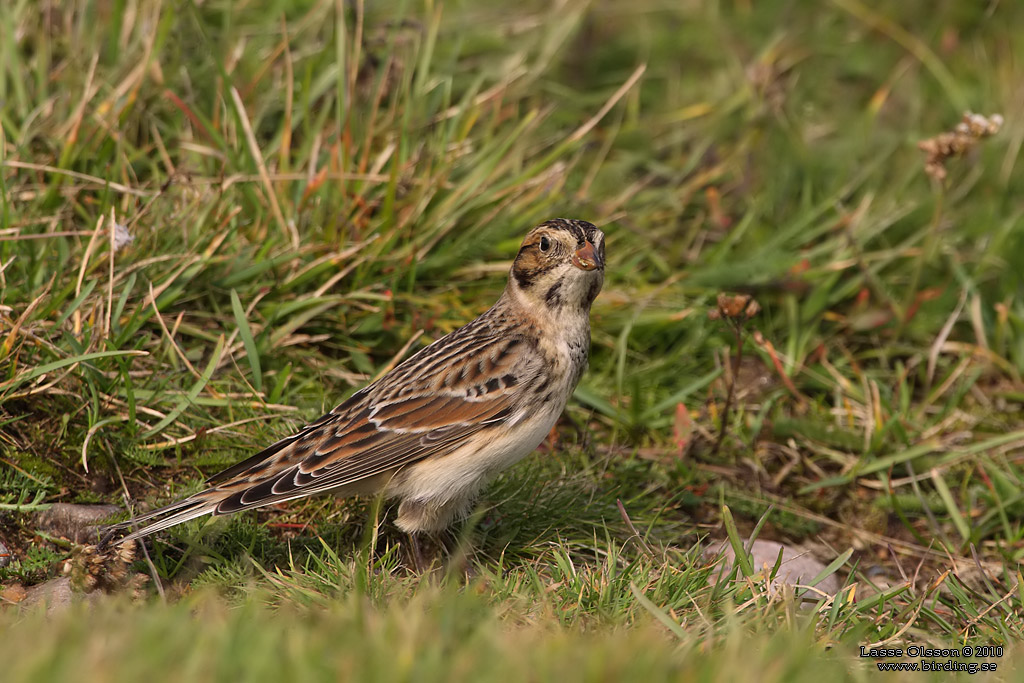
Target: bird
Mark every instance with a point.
(436, 428)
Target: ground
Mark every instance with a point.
(219, 219)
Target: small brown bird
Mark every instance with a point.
(437, 427)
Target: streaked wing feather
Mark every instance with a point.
(267, 453)
(472, 380)
(293, 483)
(386, 427)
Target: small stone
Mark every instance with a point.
(56, 594)
(78, 523)
(798, 566)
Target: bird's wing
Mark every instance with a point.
(427, 406)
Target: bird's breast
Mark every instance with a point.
(566, 352)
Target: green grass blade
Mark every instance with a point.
(10, 385)
(251, 352)
(186, 400)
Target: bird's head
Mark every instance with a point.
(560, 266)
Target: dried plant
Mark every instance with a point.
(107, 570)
(735, 309)
(944, 146)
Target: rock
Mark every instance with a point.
(798, 566)
(89, 575)
(78, 523)
(55, 594)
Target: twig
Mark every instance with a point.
(629, 523)
(736, 310)
(737, 330)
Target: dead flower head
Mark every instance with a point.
(736, 307)
(971, 129)
(107, 570)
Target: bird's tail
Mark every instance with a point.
(160, 519)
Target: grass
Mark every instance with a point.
(309, 186)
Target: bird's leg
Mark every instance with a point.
(458, 551)
(415, 553)
(438, 550)
(421, 521)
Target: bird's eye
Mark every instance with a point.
(545, 243)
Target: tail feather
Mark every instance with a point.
(173, 514)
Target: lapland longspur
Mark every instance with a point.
(433, 430)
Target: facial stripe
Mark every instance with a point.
(523, 278)
(552, 297)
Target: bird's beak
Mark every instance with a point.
(586, 257)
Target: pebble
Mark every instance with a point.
(78, 523)
(798, 566)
